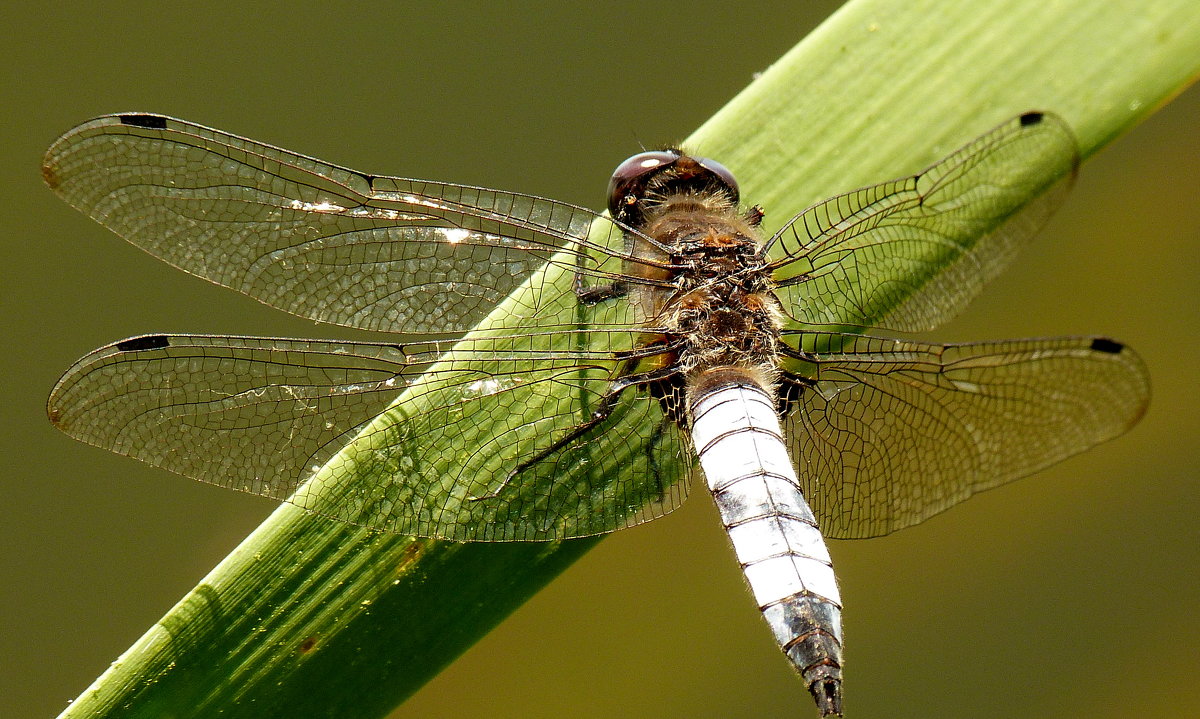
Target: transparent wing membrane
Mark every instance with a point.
(320, 241)
(888, 433)
(557, 417)
(912, 253)
(264, 415)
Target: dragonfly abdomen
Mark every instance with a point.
(738, 438)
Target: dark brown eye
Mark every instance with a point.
(723, 174)
(630, 177)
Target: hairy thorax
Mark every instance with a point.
(721, 310)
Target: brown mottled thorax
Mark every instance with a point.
(722, 307)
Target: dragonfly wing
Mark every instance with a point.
(320, 241)
(912, 253)
(266, 416)
(888, 433)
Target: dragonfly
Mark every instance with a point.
(561, 372)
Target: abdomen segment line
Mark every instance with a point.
(738, 438)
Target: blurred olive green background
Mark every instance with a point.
(1070, 594)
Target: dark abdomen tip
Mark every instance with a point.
(827, 693)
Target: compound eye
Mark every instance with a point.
(631, 176)
(723, 174)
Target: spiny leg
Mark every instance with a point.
(600, 415)
(595, 294)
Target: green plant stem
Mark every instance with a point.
(312, 618)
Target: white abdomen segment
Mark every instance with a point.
(737, 435)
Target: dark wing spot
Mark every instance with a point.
(147, 342)
(1103, 344)
(153, 122)
(1031, 118)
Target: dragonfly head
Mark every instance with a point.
(654, 174)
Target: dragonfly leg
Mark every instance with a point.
(601, 414)
(594, 294)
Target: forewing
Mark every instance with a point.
(266, 415)
(314, 239)
(912, 253)
(889, 433)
